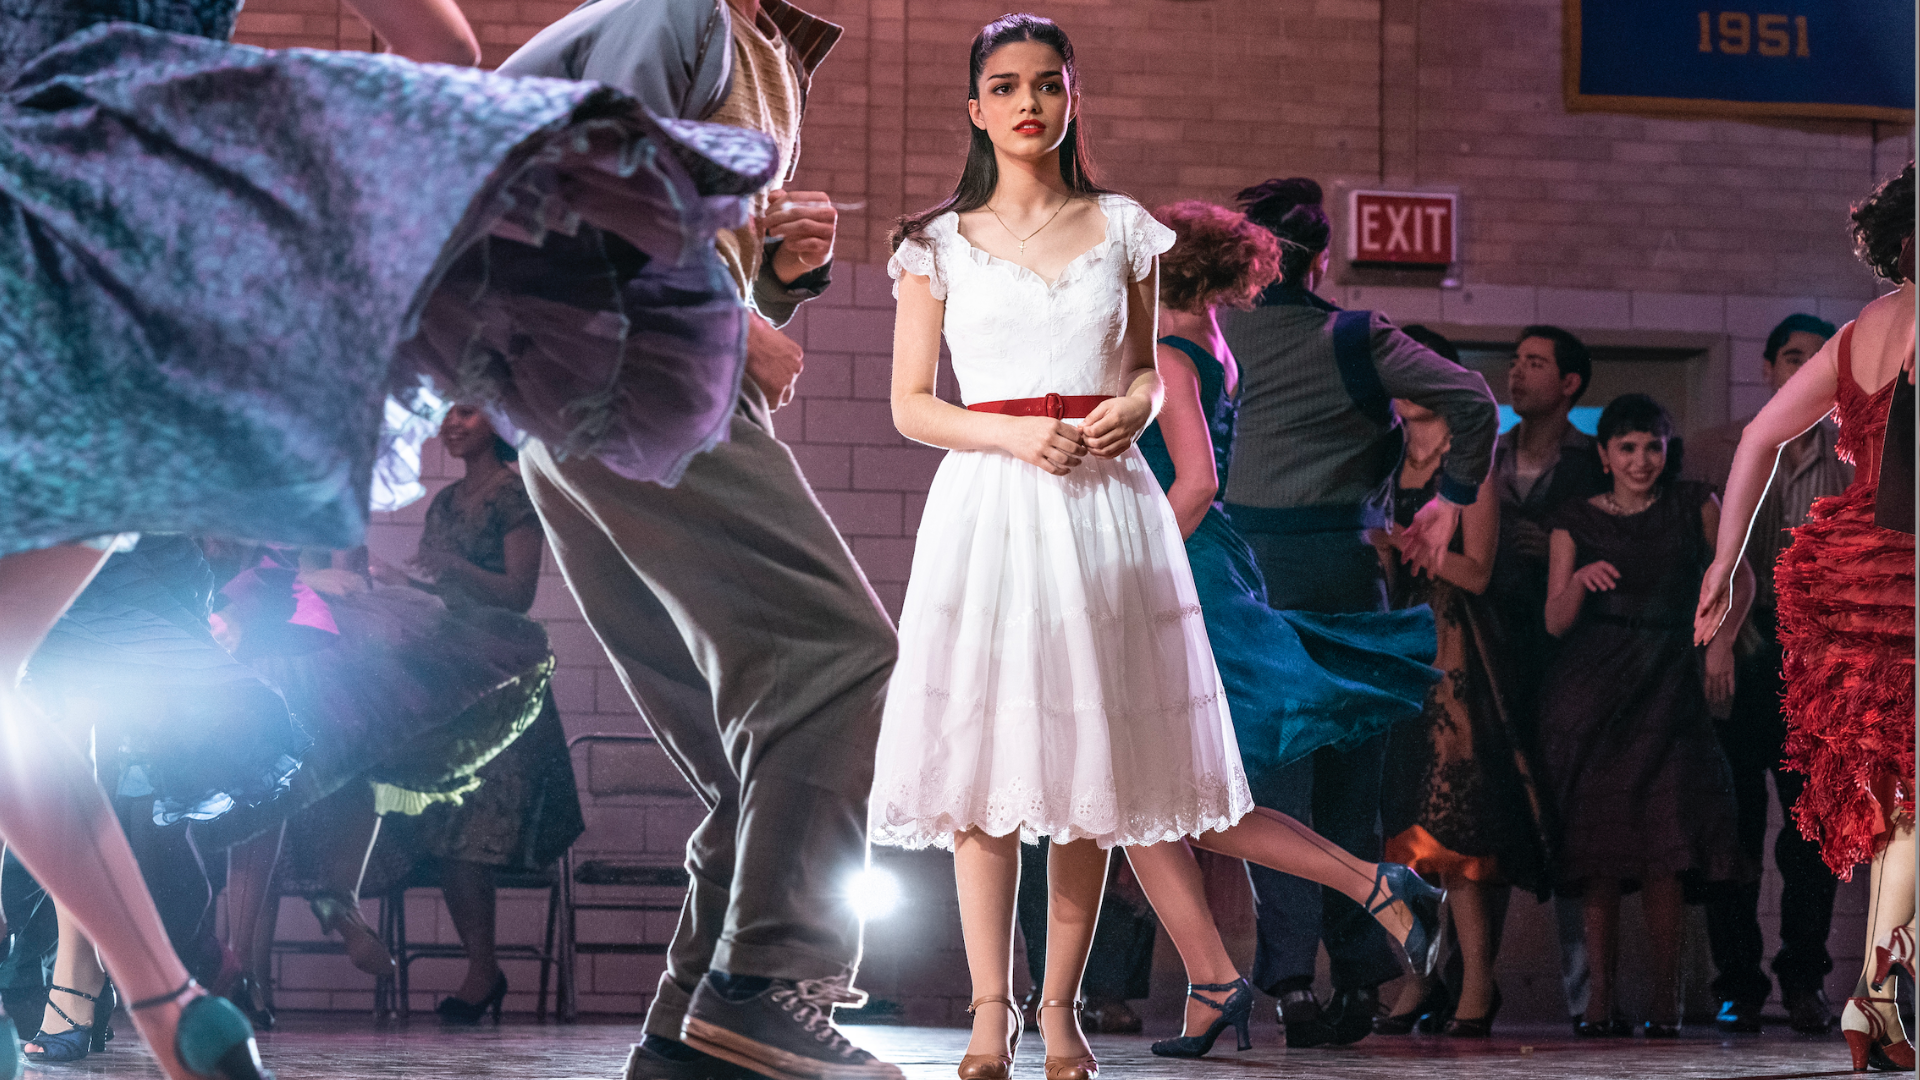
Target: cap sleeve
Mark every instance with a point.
(920, 255)
(1146, 239)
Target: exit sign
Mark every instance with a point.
(1402, 228)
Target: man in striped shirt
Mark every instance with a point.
(1755, 731)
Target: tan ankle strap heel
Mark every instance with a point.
(993, 1066)
(1080, 1068)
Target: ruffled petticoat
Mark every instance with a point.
(177, 717)
(217, 262)
(1054, 675)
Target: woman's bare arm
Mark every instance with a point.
(1053, 445)
(1472, 566)
(1564, 595)
(430, 31)
(1794, 408)
(1183, 424)
(1113, 424)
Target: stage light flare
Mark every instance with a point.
(873, 892)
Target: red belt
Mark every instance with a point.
(1055, 405)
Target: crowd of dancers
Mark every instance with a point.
(1210, 564)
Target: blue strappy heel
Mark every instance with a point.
(1402, 885)
(214, 1039)
(75, 1043)
(1236, 1011)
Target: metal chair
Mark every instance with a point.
(393, 931)
(630, 873)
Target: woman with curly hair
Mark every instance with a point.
(1295, 681)
(1846, 609)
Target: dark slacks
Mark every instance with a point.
(1337, 792)
(1752, 737)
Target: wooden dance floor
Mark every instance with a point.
(336, 1047)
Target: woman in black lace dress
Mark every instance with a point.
(1459, 800)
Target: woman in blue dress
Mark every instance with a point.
(1295, 681)
(216, 265)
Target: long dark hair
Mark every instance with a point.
(1290, 209)
(982, 172)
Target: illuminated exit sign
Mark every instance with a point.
(1402, 228)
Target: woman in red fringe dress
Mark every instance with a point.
(1846, 589)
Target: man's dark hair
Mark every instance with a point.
(1291, 209)
(1433, 340)
(1569, 355)
(1799, 323)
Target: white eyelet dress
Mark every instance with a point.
(1054, 673)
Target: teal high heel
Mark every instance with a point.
(1236, 1011)
(214, 1039)
(1402, 885)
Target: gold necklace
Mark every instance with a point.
(1613, 504)
(1023, 239)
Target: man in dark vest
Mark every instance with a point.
(1313, 454)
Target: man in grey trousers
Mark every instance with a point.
(733, 611)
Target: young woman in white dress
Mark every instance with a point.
(1054, 677)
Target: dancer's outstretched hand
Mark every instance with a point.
(1113, 425)
(1716, 596)
(1053, 445)
(1425, 541)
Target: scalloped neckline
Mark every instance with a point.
(1066, 271)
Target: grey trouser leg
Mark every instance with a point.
(756, 651)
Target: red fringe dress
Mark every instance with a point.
(1846, 624)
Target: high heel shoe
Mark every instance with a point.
(1475, 1027)
(1433, 1002)
(1873, 1046)
(1236, 1011)
(213, 1039)
(254, 1000)
(1058, 1068)
(454, 1010)
(1422, 943)
(1899, 949)
(340, 914)
(75, 1043)
(993, 1066)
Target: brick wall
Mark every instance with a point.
(1697, 234)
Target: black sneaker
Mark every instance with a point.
(1739, 1017)
(784, 1032)
(645, 1064)
(1808, 1011)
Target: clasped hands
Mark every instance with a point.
(1057, 446)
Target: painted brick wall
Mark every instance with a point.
(1603, 223)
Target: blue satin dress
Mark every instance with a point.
(1296, 681)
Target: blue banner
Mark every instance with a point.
(1850, 59)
